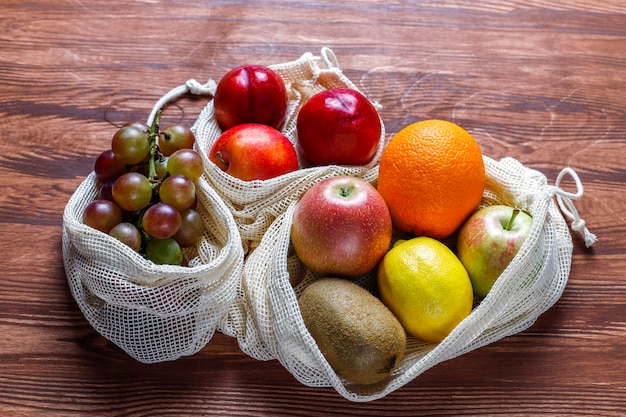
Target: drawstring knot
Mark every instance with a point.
(195, 88)
(191, 86)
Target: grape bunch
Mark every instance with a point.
(147, 191)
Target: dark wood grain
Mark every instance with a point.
(539, 81)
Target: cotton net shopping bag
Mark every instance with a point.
(153, 312)
(255, 204)
(273, 279)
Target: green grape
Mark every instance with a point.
(102, 215)
(186, 162)
(164, 251)
(161, 221)
(160, 168)
(128, 234)
(132, 191)
(175, 137)
(140, 125)
(130, 145)
(191, 228)
(178, 191)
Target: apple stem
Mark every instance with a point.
(509, 225)
(220, 159)
(345, 191)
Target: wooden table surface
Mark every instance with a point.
(543, 82)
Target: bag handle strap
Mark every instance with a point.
(191, 86)
(329, 58)
(564, 200)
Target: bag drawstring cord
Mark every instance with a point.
(191, 86)
(564, 200)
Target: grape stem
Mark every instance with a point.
(153, 134)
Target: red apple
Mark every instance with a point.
(254, 152)
(338, 126)
(488, 241)
(341, 227)
(250, 94)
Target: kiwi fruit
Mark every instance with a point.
(358, 335)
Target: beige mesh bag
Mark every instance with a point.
(244, 279)
(255, 204)
(153, 312)
(265, 317)
(273, 278)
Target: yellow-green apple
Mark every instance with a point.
(254, 151)
(488, 241)
(338, 126)
(341, 227)
(250, 94)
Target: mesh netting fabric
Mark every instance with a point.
(273, 278)
(244, 278)
(153, 312)
(255, 204)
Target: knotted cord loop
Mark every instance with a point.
(329, 57)
(191, 86)
(564, 200)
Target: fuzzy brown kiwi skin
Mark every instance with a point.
(357, 334)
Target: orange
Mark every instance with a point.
(432, 176)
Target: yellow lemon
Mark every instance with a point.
(426, 286)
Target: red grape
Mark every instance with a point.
(161, 221)
(107, 167)
(175, 137)
(140, 125)
(132, 191)
(186, 162)
(128, 234)
(178, 191)
(106, 191)
(102, 215)
(160, 166)
(130, 145)
(191, 228)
